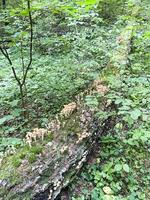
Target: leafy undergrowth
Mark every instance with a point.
(53, 80)
(63, 66)
(121, 168)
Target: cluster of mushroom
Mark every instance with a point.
(82, 136)
(35, 134)
(100, 87)
(68, 109)
(53, 126)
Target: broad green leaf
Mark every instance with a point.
(118, 167)
(124, 108)
(135, 114)
(126, 168)
(107, 190)
(109, 197)
(24, 13)
(5, 119)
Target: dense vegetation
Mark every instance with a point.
(69, 49)
(50, 51)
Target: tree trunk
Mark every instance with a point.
(4, 4)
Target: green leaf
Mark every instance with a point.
(107, 190)
(135, 114)
(24, 12)
(119, 126)
(118, 167)
(126, 168)
(124, 108)
(5, 119)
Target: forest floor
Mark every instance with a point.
(120, 169)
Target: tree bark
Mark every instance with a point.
(60, 160)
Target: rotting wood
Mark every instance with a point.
(60, 160)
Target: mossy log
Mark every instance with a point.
(57, 163)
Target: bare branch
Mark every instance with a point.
(5, 53)
(22, 58)
(15, 75)
(2, 51)
(31, 42)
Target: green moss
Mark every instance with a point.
(36, 149)
(31, 157)
(11, 163)
(48, 138)
(16, 162)
(71, 125)
(31, 153)
(15, 196)
(3, 191)
(22, 155)
(47, 173)
(8, 172)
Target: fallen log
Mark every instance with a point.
(58, 162)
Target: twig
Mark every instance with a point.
(31, 42)
(5, 53)
(22, 57)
